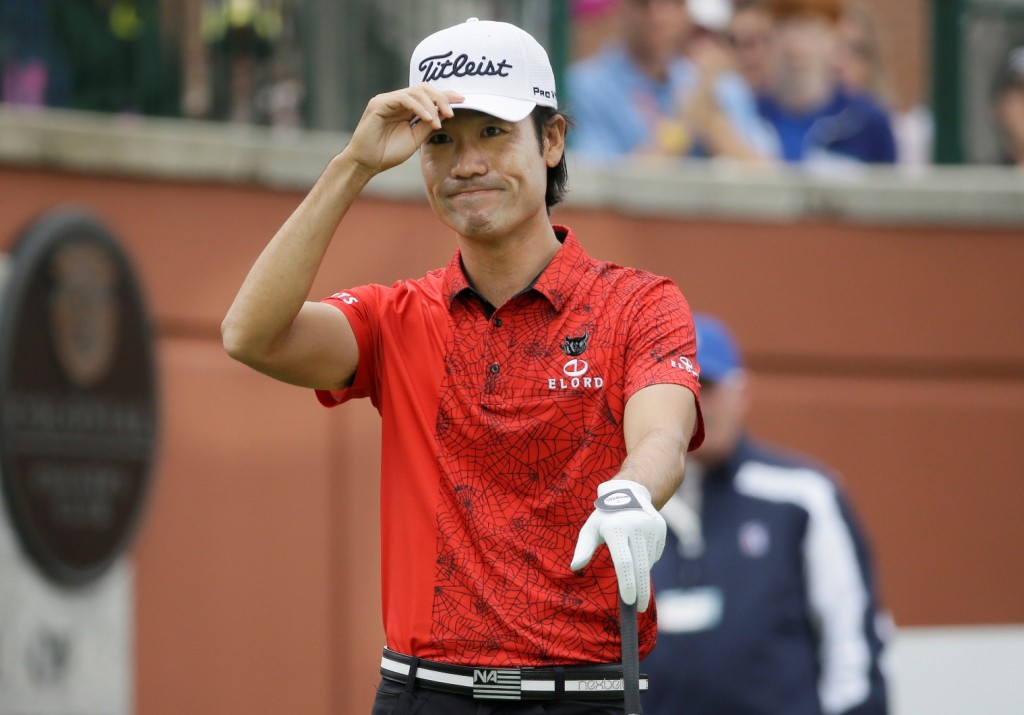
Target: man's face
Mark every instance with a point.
(805, 46)
(750, 31)
(724, 407)
(655, 29)
(487, 176)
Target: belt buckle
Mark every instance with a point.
(497, 684)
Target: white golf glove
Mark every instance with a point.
(634, 531)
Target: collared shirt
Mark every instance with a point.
(497, 428)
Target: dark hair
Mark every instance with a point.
(831, 10)
(558, 176)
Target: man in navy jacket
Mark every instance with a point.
(816, 120)
(765, 592)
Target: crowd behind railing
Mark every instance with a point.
(767, 82)
(756, 81)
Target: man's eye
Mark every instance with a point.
(438, 139)
(492, 131)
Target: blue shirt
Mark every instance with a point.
(615, 105)
(847, 127)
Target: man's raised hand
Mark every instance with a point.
(395, 124)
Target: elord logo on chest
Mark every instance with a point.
(576, 368)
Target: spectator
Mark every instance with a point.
(1009, 107)
(592, 22)
(750, 32)
(24, 41)
(241, 36)
(641, 96)
(765, 593)
(861, 68)
(816, 119)
(114, 55)
(859, 62)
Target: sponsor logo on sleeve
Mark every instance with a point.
(684, 363)
(345, 297)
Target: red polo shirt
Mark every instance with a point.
(497, 430)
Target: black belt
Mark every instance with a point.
(570, 682)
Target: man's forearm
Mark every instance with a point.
(657, 462)
(658, 423)
(280, 280)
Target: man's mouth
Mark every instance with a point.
(471, 190)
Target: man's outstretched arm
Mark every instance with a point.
(658, 423)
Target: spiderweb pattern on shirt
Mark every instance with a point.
(519, 464)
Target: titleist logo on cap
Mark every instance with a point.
(438, 67)
(498, 68)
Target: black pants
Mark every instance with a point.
(397, 699)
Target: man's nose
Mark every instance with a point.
(469, 161)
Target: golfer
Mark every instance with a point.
(536, 403)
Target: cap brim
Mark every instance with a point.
(511, 110)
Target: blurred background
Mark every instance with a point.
(878, 304)
(311, 64)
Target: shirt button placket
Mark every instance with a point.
(490, 394)
(492, 371)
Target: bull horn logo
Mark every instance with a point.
(574, 347)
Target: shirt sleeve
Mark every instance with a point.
(842, 599)
(663, 345)
(361, 306)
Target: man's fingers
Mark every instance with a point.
(420, 102)
(414, 104)
(641, 569)
(432, 104)
(659, 545)
(443, 99)
(622, 558)
(586, 544)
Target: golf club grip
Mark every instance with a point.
(630, 657)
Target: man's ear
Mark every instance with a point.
(554, 140)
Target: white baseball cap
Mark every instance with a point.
(498, 68)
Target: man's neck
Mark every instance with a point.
(498, 270)
(807, 94)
